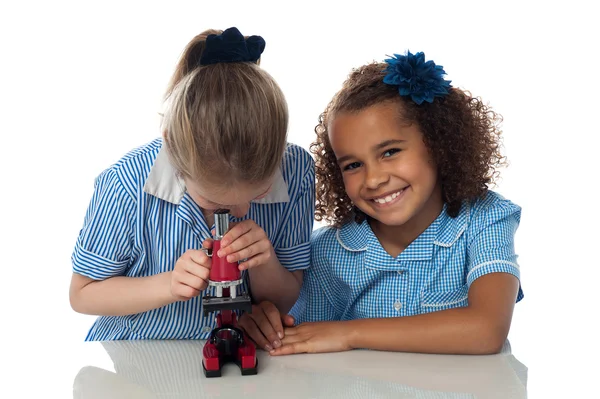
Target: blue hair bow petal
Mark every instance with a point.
(231, 46)
(421, 80)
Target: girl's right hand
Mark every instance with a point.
(190, 275)
(265, 325)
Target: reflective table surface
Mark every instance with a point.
(173, 369)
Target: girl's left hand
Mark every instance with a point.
(246, 240)
(322, 336)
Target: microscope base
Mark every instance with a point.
(227, 343)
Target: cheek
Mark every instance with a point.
(427, 173)
(419, 168)
(203, 204)
(430, 168)
(351, 185)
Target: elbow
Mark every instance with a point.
(78, 298)
(490, 341)
(75, 302)
(489, 348)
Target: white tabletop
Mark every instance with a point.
(156, 369)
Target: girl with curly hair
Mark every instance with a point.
(419, 255)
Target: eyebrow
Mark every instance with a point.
(375, 148)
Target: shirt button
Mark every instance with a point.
(206, 329)
(397, 305)
(400, 272)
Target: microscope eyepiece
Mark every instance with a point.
(221, 222)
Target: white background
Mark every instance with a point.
(81, 84)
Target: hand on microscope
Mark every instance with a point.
(246, 242)
(265, 325)
(191, 272)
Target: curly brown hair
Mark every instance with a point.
(461, 132)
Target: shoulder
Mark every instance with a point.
(297, 153)
(494, 214)
(328, 243)
(138, 160)
(323, 246)
(475, 216)
(491, 208)
(323, 237)
(133, 168)
(298, 171)
(334, 265)
(297, 162)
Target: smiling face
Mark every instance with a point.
(387, 169)
(236, 199)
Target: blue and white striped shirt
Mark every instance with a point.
(141, 220)
(352, 276)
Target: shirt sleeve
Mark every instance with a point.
(491, 247)
(103, 248)
(320, 289)
(313, 304)
(292, 245)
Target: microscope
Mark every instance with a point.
(227, 342)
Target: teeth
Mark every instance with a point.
(389, 198)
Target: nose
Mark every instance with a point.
(241, 210)
(375, 177)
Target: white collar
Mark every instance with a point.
(164, 183)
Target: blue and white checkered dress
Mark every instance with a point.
(352, 276)
(141, 220)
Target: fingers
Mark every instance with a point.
(248, 242)
(208, 243)
(290, 349)
(197, 263)
(185, 285)
(273, 317)
(260, 259)
(288, 320)
(293, 342)
(266, 328)
(183, 292)
(240, 237)
(190, 275)
(258, 325)
(199, 260)
(248, 324)
(248, 247)
(195, 282)
(237, 231)
(289, 331)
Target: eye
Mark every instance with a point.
(351, 166)
(390, 152)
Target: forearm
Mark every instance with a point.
(453, 331)
(118, 296)
(273, 282)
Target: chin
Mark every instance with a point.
(389, 220)
(392, 221)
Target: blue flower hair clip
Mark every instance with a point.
(231, 46)
(422, 81)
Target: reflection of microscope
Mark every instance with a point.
(226, 342)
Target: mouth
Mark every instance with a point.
(389, 198)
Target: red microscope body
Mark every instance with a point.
(227, 342)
